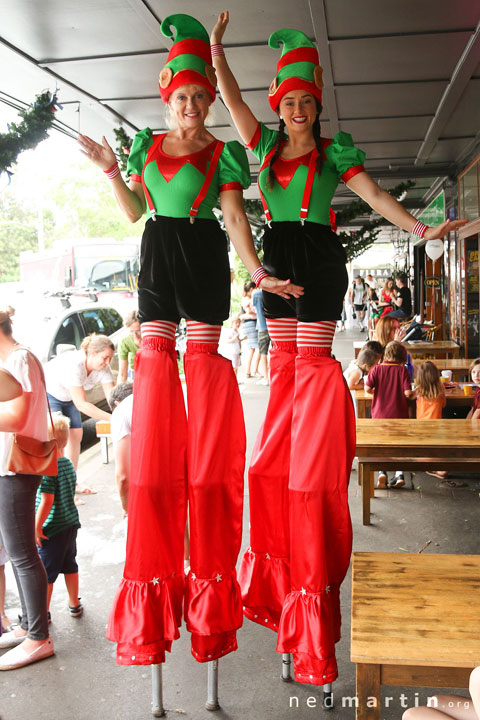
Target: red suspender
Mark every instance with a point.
(208, 179)
(306, 193)
(308, 186)
(151, 206)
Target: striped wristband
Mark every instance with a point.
(217, 49)
(419, 229)
(258, 275)
(112, 172)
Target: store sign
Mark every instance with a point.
(433, 215)
(432, 282)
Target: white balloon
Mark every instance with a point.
(434, 249)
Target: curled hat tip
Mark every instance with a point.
(290, 38)
(186, 27)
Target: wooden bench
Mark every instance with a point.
(102, 429)
(414, 445)
(415, 623)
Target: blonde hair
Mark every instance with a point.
(428, 380)
(61, 426)
(395, 352)
(5, 319)
(130, 318)
(96, 343)
(383, 329)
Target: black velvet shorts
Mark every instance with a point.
(310, 255)
(184, 271)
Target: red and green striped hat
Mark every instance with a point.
(189, 60)
(298, 67)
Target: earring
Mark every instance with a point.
(281, 118)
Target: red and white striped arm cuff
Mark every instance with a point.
(112, 172)
(419, 229)
(258, 275)
(217, 49)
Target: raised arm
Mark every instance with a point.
(245, 121)
(385, 204)
(130, 198)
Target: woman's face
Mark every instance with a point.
(189, 105)
(394, 328)
(100, 360)
(134, 330)
(390, 285)
(476, 374)
(299, 110)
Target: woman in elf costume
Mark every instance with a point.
(300, 523)
(184, 273)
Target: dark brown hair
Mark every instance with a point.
(281, 137)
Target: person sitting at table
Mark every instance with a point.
(402, 300)
(388, 329)
(374, 345)
(358, 368)
(441, 707)
(474, 413)
(385, 300)
(390, 384)
(431, 399)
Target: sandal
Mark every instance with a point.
(76, 611)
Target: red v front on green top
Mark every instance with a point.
(341, 161)
(174, 182)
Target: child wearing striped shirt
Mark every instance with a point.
(57, 522)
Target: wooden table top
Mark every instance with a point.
(411, 609)
(434, 347)
(418, 438)
(455, 394)
(448, 363)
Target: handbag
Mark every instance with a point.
(29, 456)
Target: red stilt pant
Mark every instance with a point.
(216, 463)
(147, 609)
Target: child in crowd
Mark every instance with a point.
(474, 413)
(57, 522)
(234, 339)
(375, 346)
(430, 399)
(5, 624)
(357, 370)
(390, 384)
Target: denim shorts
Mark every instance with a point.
(67, 408)
(59, 552)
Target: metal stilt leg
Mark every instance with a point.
(327, 697)
(212, 686)
(157, 692)
(286, 667)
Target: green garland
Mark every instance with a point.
(124, 144)
(36, 121)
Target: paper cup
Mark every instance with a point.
(467, 390)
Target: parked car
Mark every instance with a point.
(53, 325)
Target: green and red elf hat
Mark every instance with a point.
(189, 60)
(298, 67)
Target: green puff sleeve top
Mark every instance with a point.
(341, 161)
(173, 183)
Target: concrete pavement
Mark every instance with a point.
(82, 681)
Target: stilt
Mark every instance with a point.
(286, 667)
(327, 703)
(212, 686)
(157, 692)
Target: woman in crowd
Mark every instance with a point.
(128, 348)
(249, 326)
(25, 413)
(184, 272)
(387, 293)
(68, 377)
(301, 462)
(388, 329)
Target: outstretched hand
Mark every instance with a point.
(284, 288)
(219, 29)
(100, 155)
(439, 231)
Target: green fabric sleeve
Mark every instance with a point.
(233, 165)
(138, 152)
(265, 143)
(123, 349)
(343, 153)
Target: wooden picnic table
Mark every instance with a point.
(414, 445)
(406, 631)
(448, 348)
(459, 366)
(455, 398)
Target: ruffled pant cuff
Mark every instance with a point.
(307, 631)
(145, 618)
(265, 582)
(213, 613)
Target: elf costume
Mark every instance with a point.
(300, 524)
(184, 273)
